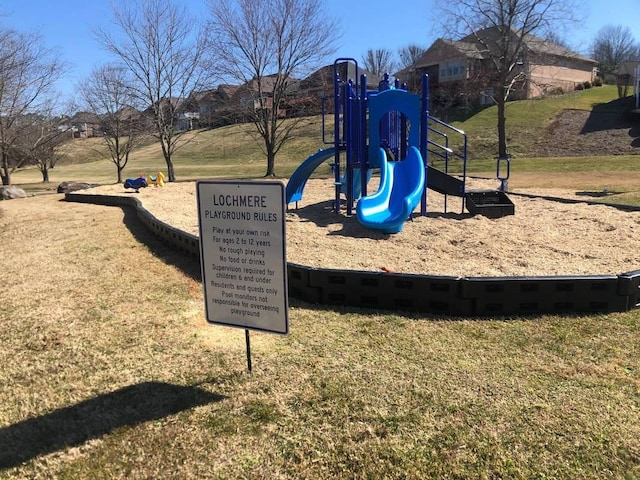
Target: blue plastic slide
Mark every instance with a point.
(401, 187)
(357, 182)
(298, 180)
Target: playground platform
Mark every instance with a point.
(464, 297)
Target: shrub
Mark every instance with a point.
(586, 84)
(579, 86)
(552, 92)
(597, 82)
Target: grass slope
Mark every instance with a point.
(109, 371)
(526, 120)
(235, 151)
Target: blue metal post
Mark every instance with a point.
(348, 136)
(363, 151)
(424, 138)
(338, 105)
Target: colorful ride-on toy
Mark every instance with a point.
(136, 183)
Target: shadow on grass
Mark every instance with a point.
(74, 425)
(634, 133)
(608, 116)
(168, 254)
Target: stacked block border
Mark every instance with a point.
(432, 294)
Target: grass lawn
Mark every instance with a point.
(109, 370)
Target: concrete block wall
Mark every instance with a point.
(431, 294)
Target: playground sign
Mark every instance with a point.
(243, 255)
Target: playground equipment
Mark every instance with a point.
(157, 181)
(401, 186)
(136, 183)
(383, 129)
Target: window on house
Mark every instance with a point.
(451, 69)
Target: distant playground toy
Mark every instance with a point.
(144, 181)
(391, 130)
(136, 183)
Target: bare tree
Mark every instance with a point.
(556, 37)
(409, 55)
(109, 92)
(28, 72)
(612, 46)
(378, 61)
(265, 44)
(38, 144)
(158, 45)
(501, 28)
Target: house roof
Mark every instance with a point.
(347, 70)
(84, 117)
(477, 45)
(533, 43)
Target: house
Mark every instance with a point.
(82, 125)
(184, 112)
(320, 84)
(214, 106)
(629, 76)
(464, 67)
(258, 94)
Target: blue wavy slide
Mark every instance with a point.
(401, 187)
(298, 180)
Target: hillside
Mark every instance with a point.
(580, 124)
(583, 123)
(605, 130)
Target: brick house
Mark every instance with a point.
(464, 68)
(320, 84)
(82, 125)
(215, 106)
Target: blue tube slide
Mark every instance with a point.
(401, 186)
(295, 185)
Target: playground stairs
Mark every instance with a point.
(489, 203)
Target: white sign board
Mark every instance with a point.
(243, 254)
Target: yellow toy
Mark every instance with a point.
(158, 180)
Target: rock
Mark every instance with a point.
(66, 187)
(7, 192)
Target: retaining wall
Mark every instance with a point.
(433, 294)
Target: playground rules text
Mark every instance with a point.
(243, 253)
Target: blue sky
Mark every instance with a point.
(365, 24)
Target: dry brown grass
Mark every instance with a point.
(109, 371)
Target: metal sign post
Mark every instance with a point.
(243, 255)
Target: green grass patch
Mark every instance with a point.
(526, 120)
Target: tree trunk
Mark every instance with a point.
(5, 171)
(45, 175)
(271, 164)
(119, 168)
(171, 174)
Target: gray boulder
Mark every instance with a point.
(7, 192)
(66, 187)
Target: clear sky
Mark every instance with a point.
(365, 24)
